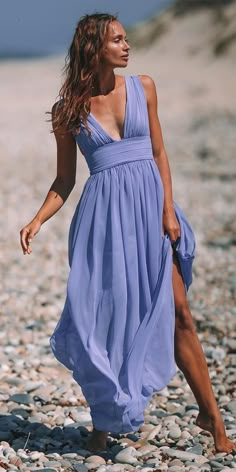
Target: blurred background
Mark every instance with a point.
(189, 48)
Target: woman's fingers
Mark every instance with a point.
(26, 239)
(27, 234)
(174, 235)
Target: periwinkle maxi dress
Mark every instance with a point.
(116, 331)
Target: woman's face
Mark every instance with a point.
(115, 50)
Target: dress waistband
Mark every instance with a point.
(120, 152)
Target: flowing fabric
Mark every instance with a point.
(116, 331)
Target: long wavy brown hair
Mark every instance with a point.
(81, 66)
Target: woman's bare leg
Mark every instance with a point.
(191, 361)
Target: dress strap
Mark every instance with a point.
(138, 100)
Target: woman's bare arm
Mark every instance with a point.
(60, 188)
(159, 153)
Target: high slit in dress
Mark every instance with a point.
(116, 331)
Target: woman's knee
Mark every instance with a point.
(183, 316)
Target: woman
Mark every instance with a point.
(126, 319)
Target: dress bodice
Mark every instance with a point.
(136, 122)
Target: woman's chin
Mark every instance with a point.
(122, 64)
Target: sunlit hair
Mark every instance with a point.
(81, 66)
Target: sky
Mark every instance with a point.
(33, 27)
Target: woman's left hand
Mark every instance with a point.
(171, 225)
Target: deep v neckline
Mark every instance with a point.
(125, 117)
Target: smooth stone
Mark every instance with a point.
(79, 467)
(183, 455)
(21, 412)
(133, 437)
(22, 454)
(197, 449)
(154, 432)
(175, 468)
(69, 455)
(128, 455)
(34, 456)
(22, 398)
(218, 354)
(159, 413)
(181, 443)
(95, 459)
(117, 448)
(48, 469)
(92, 466)
(216, 464)
(59, 420)
(191, 406)
(200, 460)
(175, 433)
(67, 421)
(117, 468)
(231, 343)
(52, 464)
(153, 462)
(65, 464)
(176, 462)
(231, 432)
(16, 461)
(185, 435)
(195, 431)
(32, 385)
(231, 406)
(53, 455)
(191, 413)
(145, 450)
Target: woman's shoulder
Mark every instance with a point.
(146, 80)
(149, 86)
(57, 105)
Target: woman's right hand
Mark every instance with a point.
(27, 234)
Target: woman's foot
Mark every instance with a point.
(216, 427)
(97, 441)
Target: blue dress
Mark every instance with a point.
(116, 331)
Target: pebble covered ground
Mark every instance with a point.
(44, 418)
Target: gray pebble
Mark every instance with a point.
(22, 398)
(198, 449)
(231, 407)
(216, 464)
(183, 455)
(175, 468)
(48, 469)
(175, 433)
